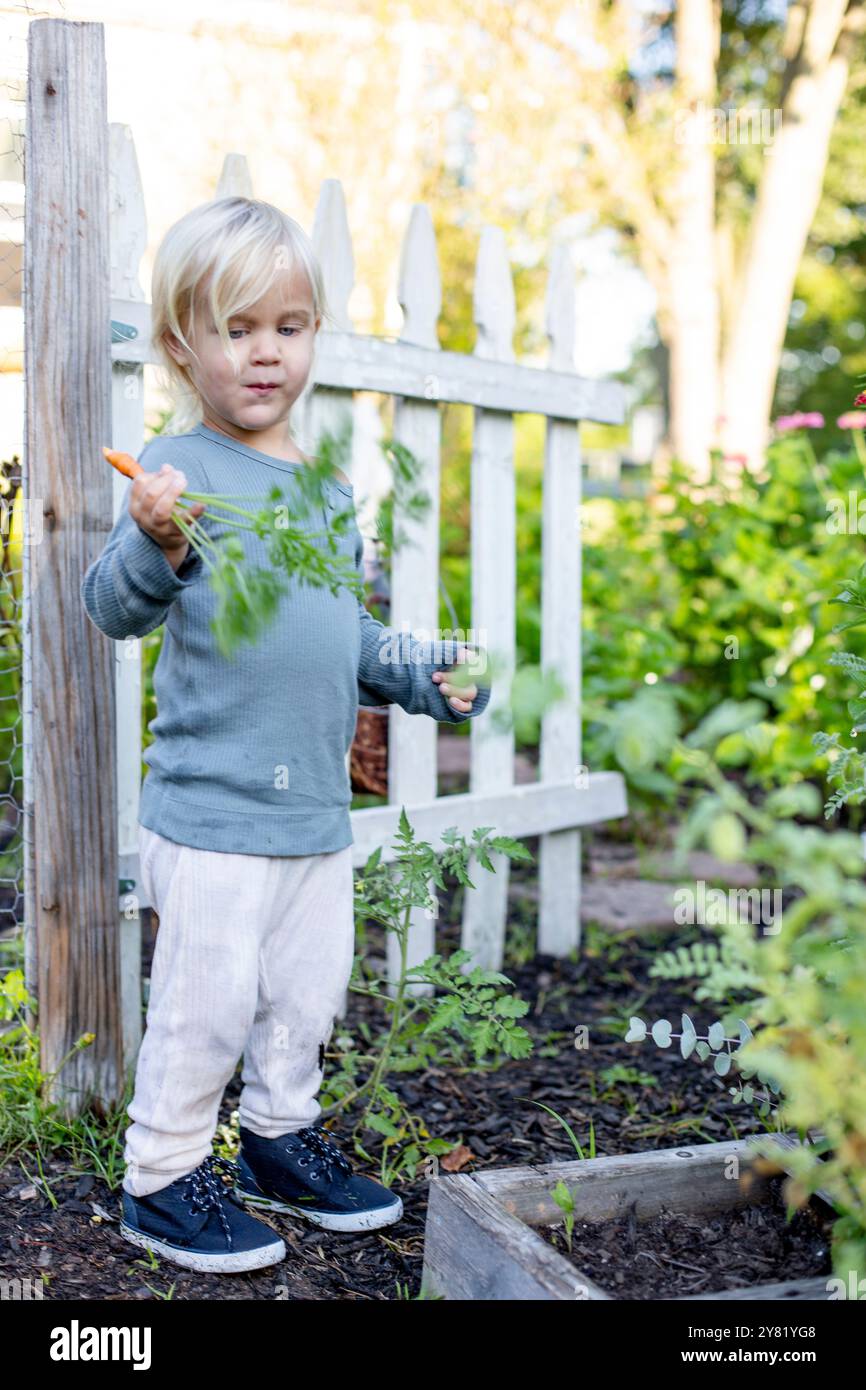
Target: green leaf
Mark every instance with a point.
(383, 1126)
(446, 1014)
(661, 1032)
(726, 837)
(729, 717)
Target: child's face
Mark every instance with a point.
(274, 344)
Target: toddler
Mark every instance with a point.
(245, 835)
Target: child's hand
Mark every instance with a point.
(454, 682)
(151, 503)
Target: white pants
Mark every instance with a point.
(253, 956)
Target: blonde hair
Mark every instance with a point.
(234, 249)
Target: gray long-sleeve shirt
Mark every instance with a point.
(249, 754)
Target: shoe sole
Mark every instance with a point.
(204, 1263)
(329, 1220)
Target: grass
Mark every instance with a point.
(33, 1127)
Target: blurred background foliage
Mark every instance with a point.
(696, 594)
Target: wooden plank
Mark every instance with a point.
(486, 1245)
(128, 240)
(694, 1178)
(415, 562)
(361, 362)
(494, 581)
(530, 809)
(68, 392)
(561, 591)
(317, 412)
(473, 1249)
(794, 1290)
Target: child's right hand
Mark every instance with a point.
(151, 503)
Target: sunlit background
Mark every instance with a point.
(375, 96)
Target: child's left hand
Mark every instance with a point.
(460, 695)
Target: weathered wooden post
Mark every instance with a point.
(74, 897)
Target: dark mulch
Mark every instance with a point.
(488, 1111)
(677, 1255)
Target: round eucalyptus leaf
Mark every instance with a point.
(661, 1031)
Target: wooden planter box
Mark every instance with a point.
(480, 1243)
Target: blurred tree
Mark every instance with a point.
(643, 118)
(550, 118)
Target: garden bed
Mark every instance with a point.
(667, 1225)
(634, 1099)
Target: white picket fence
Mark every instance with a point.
(420, 376)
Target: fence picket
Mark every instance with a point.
(235, 180)
(415, 562)
(559, 851)
(128, 224)
(493, 513)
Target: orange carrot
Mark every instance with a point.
(124, 463)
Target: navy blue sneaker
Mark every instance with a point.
(304, 1172)
(196, 1221)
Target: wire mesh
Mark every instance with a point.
(16, 837)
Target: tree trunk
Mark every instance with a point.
(819, 42)
(693, 306)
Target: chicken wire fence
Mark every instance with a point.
(15, 821)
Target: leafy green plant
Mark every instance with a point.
(714, 591)
(720, 964)
(570, 1132)
(435, 1004)
(848, 765)
(12, 542)
(562, 1194)
(248, 596)
(32, 1123)
(621, 1075)
(809, 976)
(564, 1199)
(713, 1044)
(406, 497)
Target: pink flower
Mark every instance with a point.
(852, 420)
(861, 399)
(735, 458)
(810, 420)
